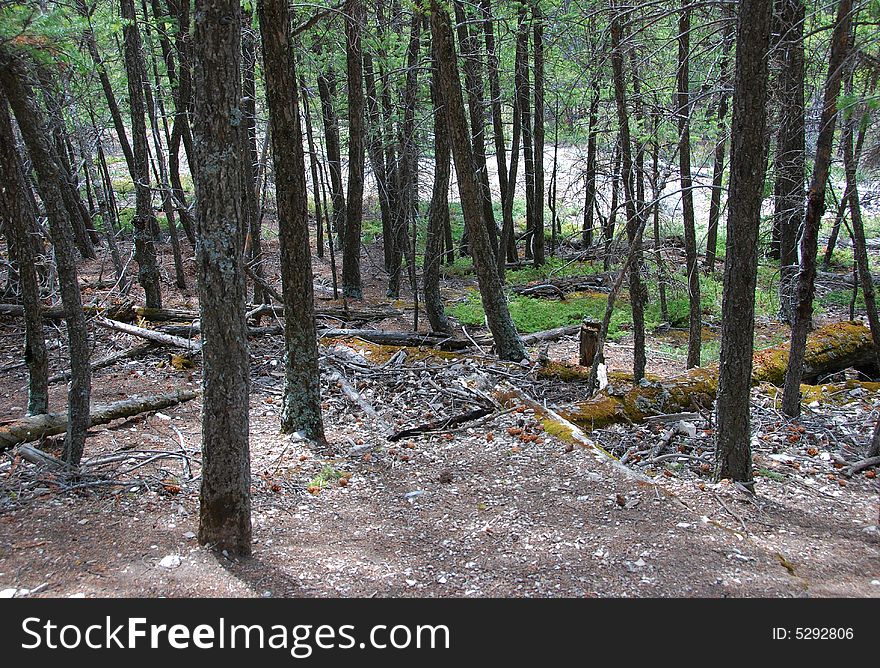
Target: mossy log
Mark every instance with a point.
(829, 349)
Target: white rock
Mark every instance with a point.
(686, 428)
(79, 594)
(170, 561)
(189, 534)
(162, 416)
(683, 525)
(8, 593)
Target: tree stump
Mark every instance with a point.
(589, 342)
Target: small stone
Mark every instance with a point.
(445, 477)
(189, 535)
(170, 561)
(8, 593)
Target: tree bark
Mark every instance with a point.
(16, 209)
(687, 196)
(790, 157)
(351, 259)
(143, 221)
(635, 220)
(803, 312)
(50, 178)
(438, 213)
(301, 410)
(508, 345)
(733, 435)
(225, 509)
(538, 150)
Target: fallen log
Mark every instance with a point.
(149, 334)
(115, 311)
(35, 427)
(549, 334)
(829, 349)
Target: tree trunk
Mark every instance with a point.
(225, 508)
(50, 177)
(16, 209)
(790, 158)
(803, 313)
(376, 153)
(143, 221)
(301, 411)
(687, 196)
(438, 214)
(351, 260)
(720, 146)
(590, 178)
(522, 96)
(472, 57)
(538, 151)
(508, 345)
(634, 222)
(747, 165)
(327, 93)
(504, 184)
(249, 154)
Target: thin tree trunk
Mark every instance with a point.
(803, 312)
(790, 158)
(438, 214)
(634, 217)
(50, 176)
(538, 155)
(687, 195)
(351, 260)
(143, 221)
(301, 411)
(225, 506)
(733, 453)
(471, 55)
(590, 178)
(16, 209)
(508, 345)
(522, 95)
(720, 150)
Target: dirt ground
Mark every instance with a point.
(492, 508)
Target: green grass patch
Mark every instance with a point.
(328, 476)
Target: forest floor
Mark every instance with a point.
(492, 508)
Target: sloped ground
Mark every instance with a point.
(494, 507)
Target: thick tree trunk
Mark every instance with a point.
(351, 260)
(803, 312)
(687, 196)
(16, 209)
(225, 509)
(301, 410)
(143, 221)
(747, 166)
(508, 345)
(50, 178)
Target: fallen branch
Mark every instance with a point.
(395, 338)
(861, 466)
(444, 423)
(35, 427)
(149, 334)
(109, 360)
